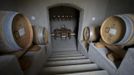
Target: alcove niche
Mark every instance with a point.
(64, 18)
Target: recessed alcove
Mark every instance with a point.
(66, 20)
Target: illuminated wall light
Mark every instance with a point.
(33, 18)
(93, 18)
(63, 16)
(58, 16)
(54, 16)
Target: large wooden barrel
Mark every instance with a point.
(118, 30)
(86, 34)
(89, 34)
(40, 35)
(15, 31)
(93, 34)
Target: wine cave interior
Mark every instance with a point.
(66, 37)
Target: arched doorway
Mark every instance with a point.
(62, 20)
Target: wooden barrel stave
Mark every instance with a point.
(131, 39)
(7, 41)
(128, 32)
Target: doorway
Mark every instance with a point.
(64, 20)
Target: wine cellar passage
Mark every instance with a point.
(66, 37)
